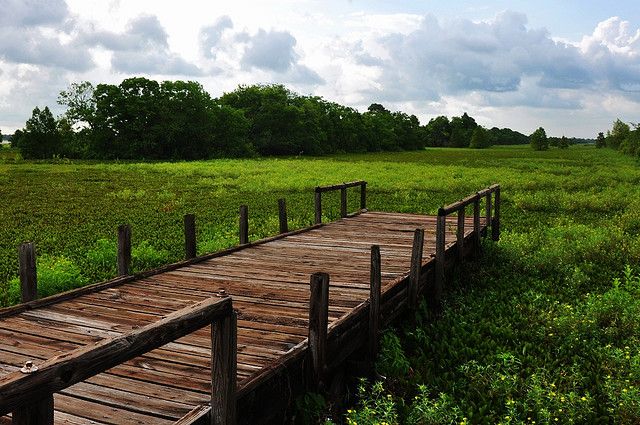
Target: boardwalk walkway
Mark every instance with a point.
(269, 287)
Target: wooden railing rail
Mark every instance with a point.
(343, 197)
(28, 394)
(459, 207)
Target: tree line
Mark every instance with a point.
(623, 137)
(146, 119)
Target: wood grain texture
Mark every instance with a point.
(269, 282)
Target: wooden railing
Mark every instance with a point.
(459, 207)
(343, 197)
(28, 394)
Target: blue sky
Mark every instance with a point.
(571, 67)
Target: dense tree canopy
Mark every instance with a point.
(147, 119)
(539, 140)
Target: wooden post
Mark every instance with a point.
(28, 274)
(460, 235)
(495, 224)
(318, 322)
(224, 344)
(476, 225)
(488, 211)
(282, 215)
(416, 267)
(375, 290)
(39, 412)
(363, 196)
(244, 225)
(189, 236)
(318, 207)
(440, 260)
(343, 202)
(124, 249)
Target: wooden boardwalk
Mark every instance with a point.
(269, 286)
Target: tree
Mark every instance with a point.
(438, 131)
(600, 141)
(41, 138)
(80, 101)
(618, 133)
(538, 140)
(16, 139)
(563, 143)
(479, 138)
(461, 130)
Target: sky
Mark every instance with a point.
(570, 66)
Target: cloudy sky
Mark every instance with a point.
(571, 66)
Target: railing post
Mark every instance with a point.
(440, 260)
(343, 202)
(363, 196)
(318, 322)
(488, 212)
(244, 225)
(223, 370)
(495, 223)
(282, 215)
(460, 234)
(318, 206)
(416, 267)
(39, 412)
(476, 225)
(189, 236)
(28, 274)
(375, 290)
(124, 249)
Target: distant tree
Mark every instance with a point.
(563, 143)
(601, 141)
(16, 138)
(461, 130)
(631, 144)
(437, 132)
(41, 138)
(80, 101)
(538, 140)
(479, 138)
(618, 133)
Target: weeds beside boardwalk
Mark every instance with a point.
(541, 333)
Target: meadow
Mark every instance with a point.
(542, 329)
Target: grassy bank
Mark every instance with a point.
(543, 334)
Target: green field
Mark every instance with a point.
(541, 331)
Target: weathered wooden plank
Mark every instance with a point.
(62, 371)
(318, 321)
(282, 215)
(244, 225)
(374, 304)
(124, 249)
(416, 267)
(189, 236)
(223, 371)
(28, 274)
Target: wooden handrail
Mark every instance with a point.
(455, 206)
(343, 197)
(340, 186)
(21, 390)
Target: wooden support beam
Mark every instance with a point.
(416, 267)
(189, 236)
(488, 211)
(476, 226)
(363, 196)
(124, 250)
(39, 412)
(282, 215)
(375, 290)
(28, 273)
(224, 344)
(495, 223)
(436, 295)
(343, 202)
(318, 322)
(318, 207)
(244, 225)
(460, 235)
